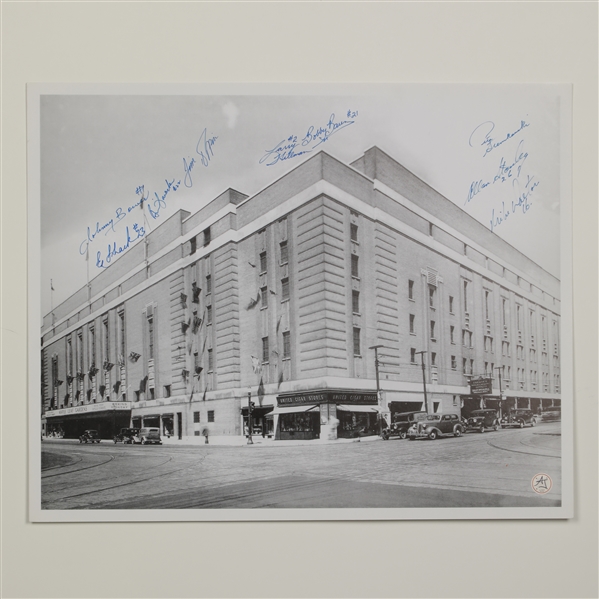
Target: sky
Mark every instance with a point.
(491, 150)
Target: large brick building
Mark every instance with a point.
(283, 293)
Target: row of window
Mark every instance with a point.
(286, 348)
(196, 417)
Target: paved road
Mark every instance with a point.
(493, 469)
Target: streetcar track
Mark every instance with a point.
(78, 469)
(542, 455)
(60, 466)
(129, 483)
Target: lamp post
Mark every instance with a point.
(424, 380)
(500, 368)
(378, 386)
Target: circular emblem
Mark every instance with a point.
(541, 483)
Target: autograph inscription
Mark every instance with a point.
(510, 169)
(155, 203)
(294, 146)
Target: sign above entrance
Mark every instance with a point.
(481, 386)
(323, 397)
(92, 407)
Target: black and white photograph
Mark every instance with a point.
(300, 302)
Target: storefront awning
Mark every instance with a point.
(368, 409)
(291, 410)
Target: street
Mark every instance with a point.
(493, 469)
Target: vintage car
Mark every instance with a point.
(89, 436)
(401, 423)
(148, 436)
(435, 425)
(126, 435)
(479, 420)
(519, 417)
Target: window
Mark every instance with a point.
(464, 366)
(192, 245)
(431, 296)
(92, 341)
(430, 229)
(433, 359)
(285, 289)
(286, 345)
(452, 334)
(70, 356)
(167, 390)
(151, 337)
(533, 355)
(353, 232)
(106, 339)
(208, 284)
(284, 256)
(79, 352)
(265, 351)
(465, 295)
(355, 300)
(505, 349)
(451, 304)
(454, 363)
(122, 334)
(471, 366)
(208, 314)
(263, 264)
(520, 352)
(210, 361)
(152, 393)
(432, 329)
(264, 297)
(356, 341)
(196, 417)
(488, 343)
(354, 266)
(207, 236)
(411, 290)
(504, 312)
(196, 361)
(210, 415)
(413, 355)
(518, 317)
(466, 338)
(486, 304)
(412, 319)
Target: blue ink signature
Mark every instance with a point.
(113, 250)
(286, 149)
(485, 129)
(204, 149)
(505, 171)
(521, 202)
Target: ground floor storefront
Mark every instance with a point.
(503, 406)
(106, 417)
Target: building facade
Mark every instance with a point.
(277, 298)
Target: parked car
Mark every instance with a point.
(126, 435)
(89, 436)
(401, 423)
(479, 420)
(148, 436)
(435, 425)
(519, 417)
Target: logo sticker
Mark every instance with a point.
(541, 483)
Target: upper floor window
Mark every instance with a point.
(92, 344)
(207, 236)
(265, 349)
(354, 266)
(487, 304)
(284, 255)
(411, 290)
(353, 232)
(264, 297)
(263, 262)
(208, 314)
(151, 337)
(465, 296)
(208, 284)
(122, 334)
(355, 297)
(192, 245)
(451, 304)
(357, 342)
(286, 345)
(210, 360)
(432, 329)
(431, 296)
(413, 355)
(285, 289)
(452, 334)
(412, 321)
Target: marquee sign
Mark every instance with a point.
(481, 386)
(336, 397)
(92, 407)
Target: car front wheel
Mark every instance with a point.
(432, 435)
(458, 432)
(403, 435)
(496, 427)
(521, 424)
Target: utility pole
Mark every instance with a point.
(426, 407)
(378, 386)
(500, 368)
(250, 426)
